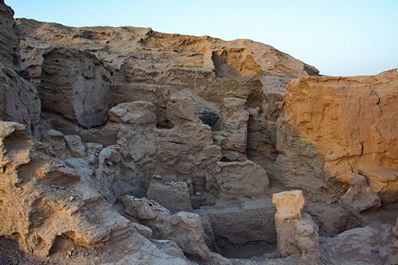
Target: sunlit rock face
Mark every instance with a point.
(348, 125)
(297, 232)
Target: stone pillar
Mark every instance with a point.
(233, 135)
(297, 233)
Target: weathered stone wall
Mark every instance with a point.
(341, 127)
(76, 85)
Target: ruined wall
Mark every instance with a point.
(75, 85)
(339, 128)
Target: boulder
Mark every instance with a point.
(56, 142)
(75, 145)
(369, 245)
(137, 112)
(359, 196)
(182, 109)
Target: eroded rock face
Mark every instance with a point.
(42, 199)
(45, 202)
(341, 127)
(185, 152)
(9, 39)
(75, 85)
(152, 66)
(75, 145)
(19, 100)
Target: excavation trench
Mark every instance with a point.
(241, 228)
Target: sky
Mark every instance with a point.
(339, 37)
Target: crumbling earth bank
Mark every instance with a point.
(130, 146)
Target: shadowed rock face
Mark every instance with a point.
(76, 85)
(19, 99)
(151, 146)
(9, 39)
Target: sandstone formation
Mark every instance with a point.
(130, 146)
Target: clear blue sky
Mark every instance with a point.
(339, 37)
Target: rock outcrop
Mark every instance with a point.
(359, 195)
